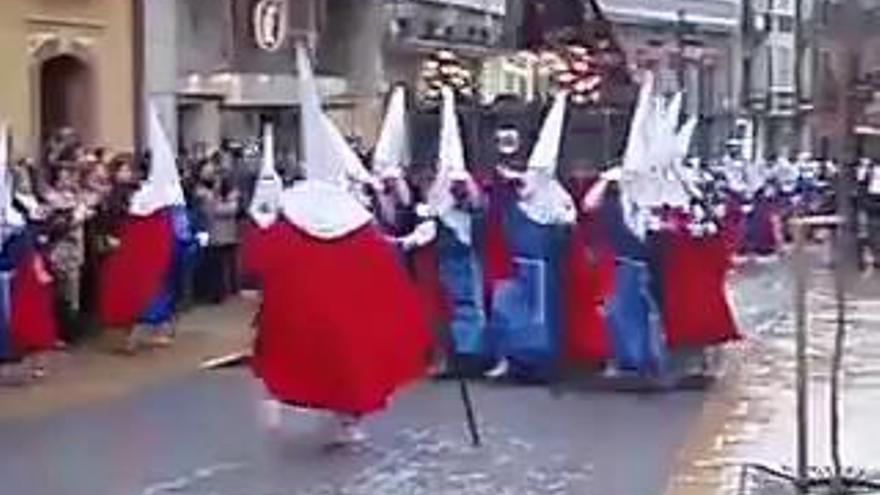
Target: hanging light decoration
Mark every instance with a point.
(575, 69)
(442, 69)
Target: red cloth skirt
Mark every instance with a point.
(33, 326)
(497, 260)
(588, 281)
(134, 273)
(696, 312)
(733, 226)
(255, 242)
(341, 326)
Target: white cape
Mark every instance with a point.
(323, 210)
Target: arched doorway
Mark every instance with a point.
(66, 98)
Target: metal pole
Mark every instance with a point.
(473, 427)
(139, 73)
(798, 69)
(800, 309)
(841, 266)
(679, 39)
(836, 362)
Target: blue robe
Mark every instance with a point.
(161, 309)
(632, 312)
(461, 275)
(5, 315)
(527, 313)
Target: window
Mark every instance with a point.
(510, 82)
(403, 25)
(786, 23)
(783, 6)
(430, 28)
(825, 13)
(783, 65)
(826, 61)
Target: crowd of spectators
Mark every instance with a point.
(74, 197)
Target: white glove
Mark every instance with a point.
(424, 234)
(202, 239)
(425, 211)
(612, 175)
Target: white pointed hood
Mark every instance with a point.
(162, 187)
(655, 183)
(327, 155)
(317, 161)
(450, 169)
(666, 142)
(354, 171)
(11, 218)
(543, 199)
(685, 136)
(673, 182)
(392, 155)
(636, 158)
(267, 191)
(685, 179)
(637, 142)
(321, 205)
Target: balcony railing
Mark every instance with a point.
(453, 24)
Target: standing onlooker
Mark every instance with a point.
(96, 190)
(66, 218)
(218, 202)
(869, 202)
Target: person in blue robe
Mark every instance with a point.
(9, 256)
(632, 312)
(159, 315)
(395, 215)
(527, 313)
(461, 276)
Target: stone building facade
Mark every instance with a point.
(845, 122)
(206, 69)
(690, 46)
(67, 64)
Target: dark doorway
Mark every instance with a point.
(66, 97)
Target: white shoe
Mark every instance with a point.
(611, 371)
(348, 432)
(272, 412)
(499, 371)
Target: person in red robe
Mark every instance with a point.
(264, 208)
(135, 276)
(341, 327)
(28, 328)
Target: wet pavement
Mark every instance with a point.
(200, 433)
(203, 435)
(758, 426)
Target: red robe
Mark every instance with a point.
(33, 326)
(696, 312)
(588, 277)
(341, 326)
(732, 227)
(498, 262)
(255, 243)
(134, 273)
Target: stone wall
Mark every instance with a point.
(98, 33)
